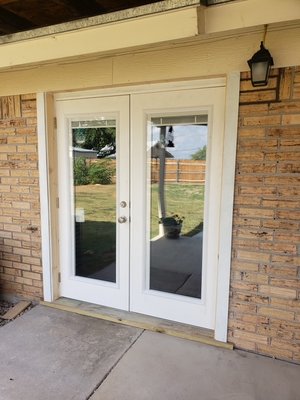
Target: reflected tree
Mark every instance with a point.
(200, 154)
(93, 138)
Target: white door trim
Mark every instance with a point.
(226, 211)
(44, 197)
(149, 88)
(231, 117)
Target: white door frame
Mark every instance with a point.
(231, 82)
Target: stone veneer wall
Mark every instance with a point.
(20, 241)
(264, 314)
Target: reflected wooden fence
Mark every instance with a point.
(180, 171)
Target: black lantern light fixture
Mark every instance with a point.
(260, 65)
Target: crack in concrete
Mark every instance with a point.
(114, 365)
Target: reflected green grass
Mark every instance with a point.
(186, 200)
(96, 236)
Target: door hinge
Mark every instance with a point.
(57, 202)
(55, 122)
(59, 277)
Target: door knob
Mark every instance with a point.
(122, 219)
(123, 204)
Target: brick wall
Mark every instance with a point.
(264, 311)
(20, 243)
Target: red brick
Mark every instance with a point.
(282, 132)
(265, 96)
(282, 156)
(31, 275)
(243, 308)
(262, 120)
(265, 282)
(279, 248)
(293, 119)
(18, 157)
(21, 266)
(253, 155)
(256, 168)
(286, 83)
(280, 224)
(246, 85)
(280, 271)
(250, 298)
(16, 140)
(243, 344)
(253, 109)
(286, 283)
(24, 281)
(274, 352)
(286, 304)
(281, 292)
(244, 266)
(288, 168)
(242, 326)
(256, 212)
(27, 148)
(269, 144)
(276, 313)
(250, 337)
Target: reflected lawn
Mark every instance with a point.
(184, 199)
(97, 235)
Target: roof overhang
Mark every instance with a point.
(166, 21)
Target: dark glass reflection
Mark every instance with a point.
(177, 158)
(94, 198)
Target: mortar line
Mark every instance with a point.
(113, 366)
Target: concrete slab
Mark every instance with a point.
(163, 367)
(180, 255)
(50, 354)
(192, 287)
(167, 281)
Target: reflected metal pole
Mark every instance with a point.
(162, 173)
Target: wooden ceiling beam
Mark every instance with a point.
(6, 2)
(10, 22)
(83, 8)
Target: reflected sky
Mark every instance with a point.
(184, 140)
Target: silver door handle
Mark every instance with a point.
(122, 219)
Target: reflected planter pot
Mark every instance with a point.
(172, 231)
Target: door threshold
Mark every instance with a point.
(137, 320)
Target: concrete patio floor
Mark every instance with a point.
(176, 265)
(49, 354)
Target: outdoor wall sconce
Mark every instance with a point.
(170, 137)
(260, 65)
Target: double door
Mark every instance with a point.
(139, 194)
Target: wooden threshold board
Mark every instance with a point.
(140, 321)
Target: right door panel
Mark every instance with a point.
(177, 151)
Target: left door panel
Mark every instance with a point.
(93, 169)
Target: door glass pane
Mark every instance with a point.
(94, 198)
(177, 164)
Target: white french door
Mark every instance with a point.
(176, 277)
(163, 155)
(93, 196)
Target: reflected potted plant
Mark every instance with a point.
(172, 226)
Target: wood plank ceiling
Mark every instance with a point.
(22, 15)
